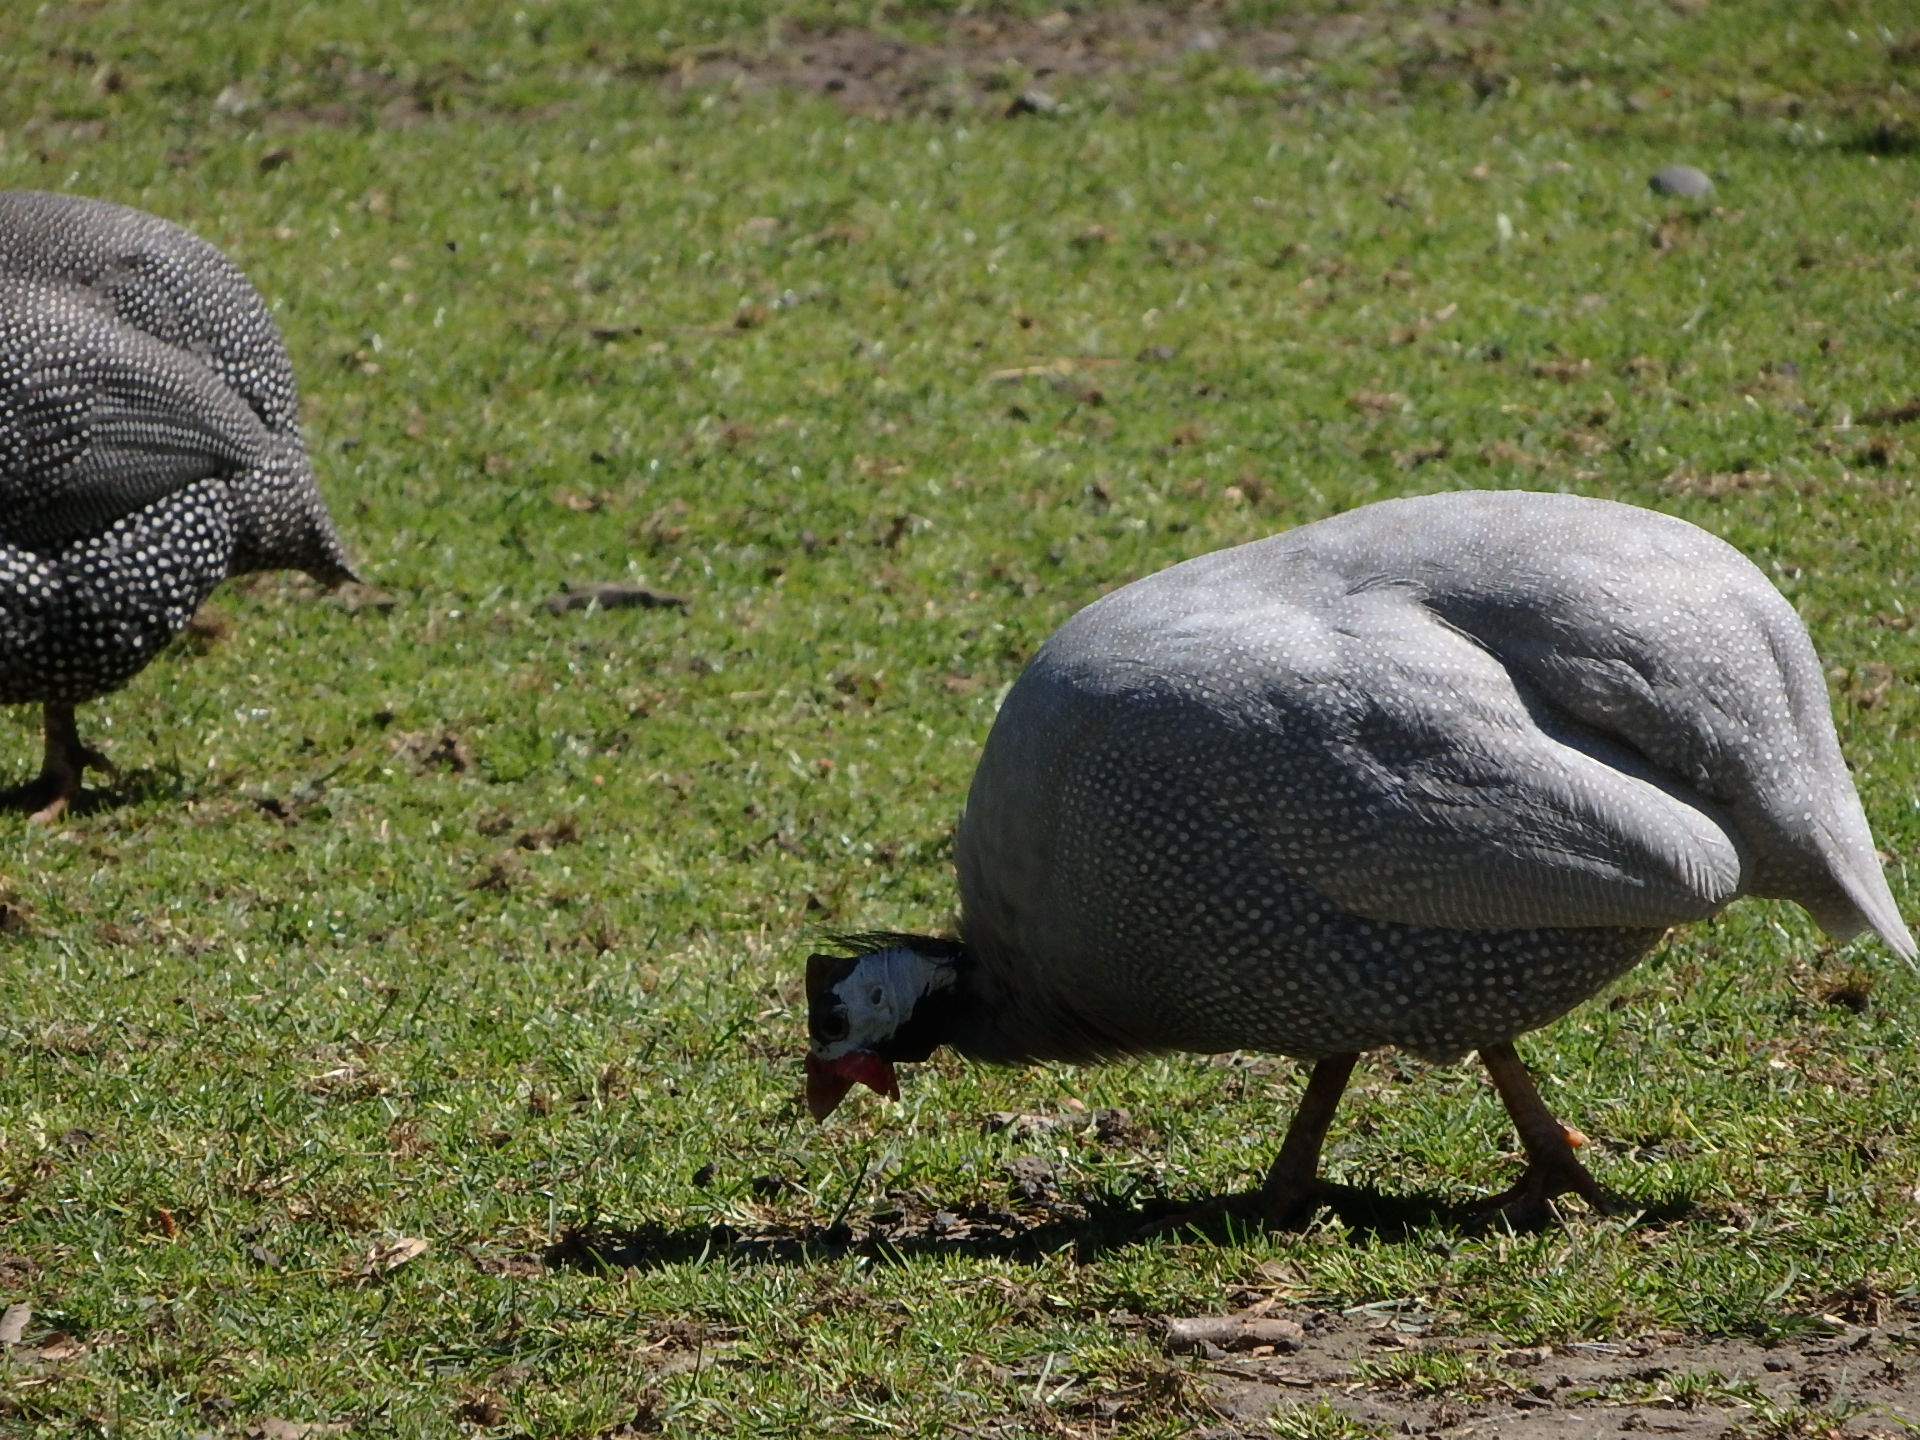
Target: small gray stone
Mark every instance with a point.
(1034, 102)
(1681, 180)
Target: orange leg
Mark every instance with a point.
(1552, 1168)
(1293, 1188)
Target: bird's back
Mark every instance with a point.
(1527, 731)
(183, 307)
(159, 278)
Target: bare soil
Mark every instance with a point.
(1861, 1381)
(1849, 1373)
(1015, 64)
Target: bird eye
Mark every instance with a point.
(830, 1027)
(876, 996)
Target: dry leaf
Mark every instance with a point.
(1688, 481)
(1377, 402)
(1562, 370)
(60, 1347)
(385, 1259)
(1062, 366)
(390, 1257)
(13, 1324)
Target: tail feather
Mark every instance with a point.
(1888, 925)
(1868, 905)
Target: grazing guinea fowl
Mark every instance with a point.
(149, 448)
(1426, 774)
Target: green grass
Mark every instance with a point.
(1438, 1372)
(321, 978)
(1319, 1420)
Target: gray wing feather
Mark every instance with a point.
(1409, 778)
(98, 420)
(159, 278)
(1471, 800)
(1483, 711)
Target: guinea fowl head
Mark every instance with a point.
(873, 1007)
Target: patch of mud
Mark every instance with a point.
(1014, 63)
(965, 64)
(1860, 1382)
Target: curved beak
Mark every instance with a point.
(828, 1081)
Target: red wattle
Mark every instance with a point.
(828, 1081)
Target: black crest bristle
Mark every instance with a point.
(870, 942)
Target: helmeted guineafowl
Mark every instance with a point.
(149, 448)
(1426, 774)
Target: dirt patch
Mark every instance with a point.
(976, 64)
(1015, 63)
(1858, 1382)
(1850, 1372)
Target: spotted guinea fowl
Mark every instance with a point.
(1427, 774)
(149, 448)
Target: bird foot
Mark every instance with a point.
(1528, 1204)
(45, 799)
(49, 795)
(53, 809)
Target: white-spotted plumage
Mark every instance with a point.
(1426, 774)
(149, 448)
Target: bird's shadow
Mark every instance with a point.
(1102, 1224)
(127, 789)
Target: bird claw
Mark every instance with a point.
(49, 795)
(1528, 1203)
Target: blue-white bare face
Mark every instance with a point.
(861, 1015)
(877, 996)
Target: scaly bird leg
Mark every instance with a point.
(58, 784)
(1552, 1168)
(1293, 1188)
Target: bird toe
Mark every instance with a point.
(1528, 1204)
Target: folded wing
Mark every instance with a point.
(98, 419)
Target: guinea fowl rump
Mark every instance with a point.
(1505, 770)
